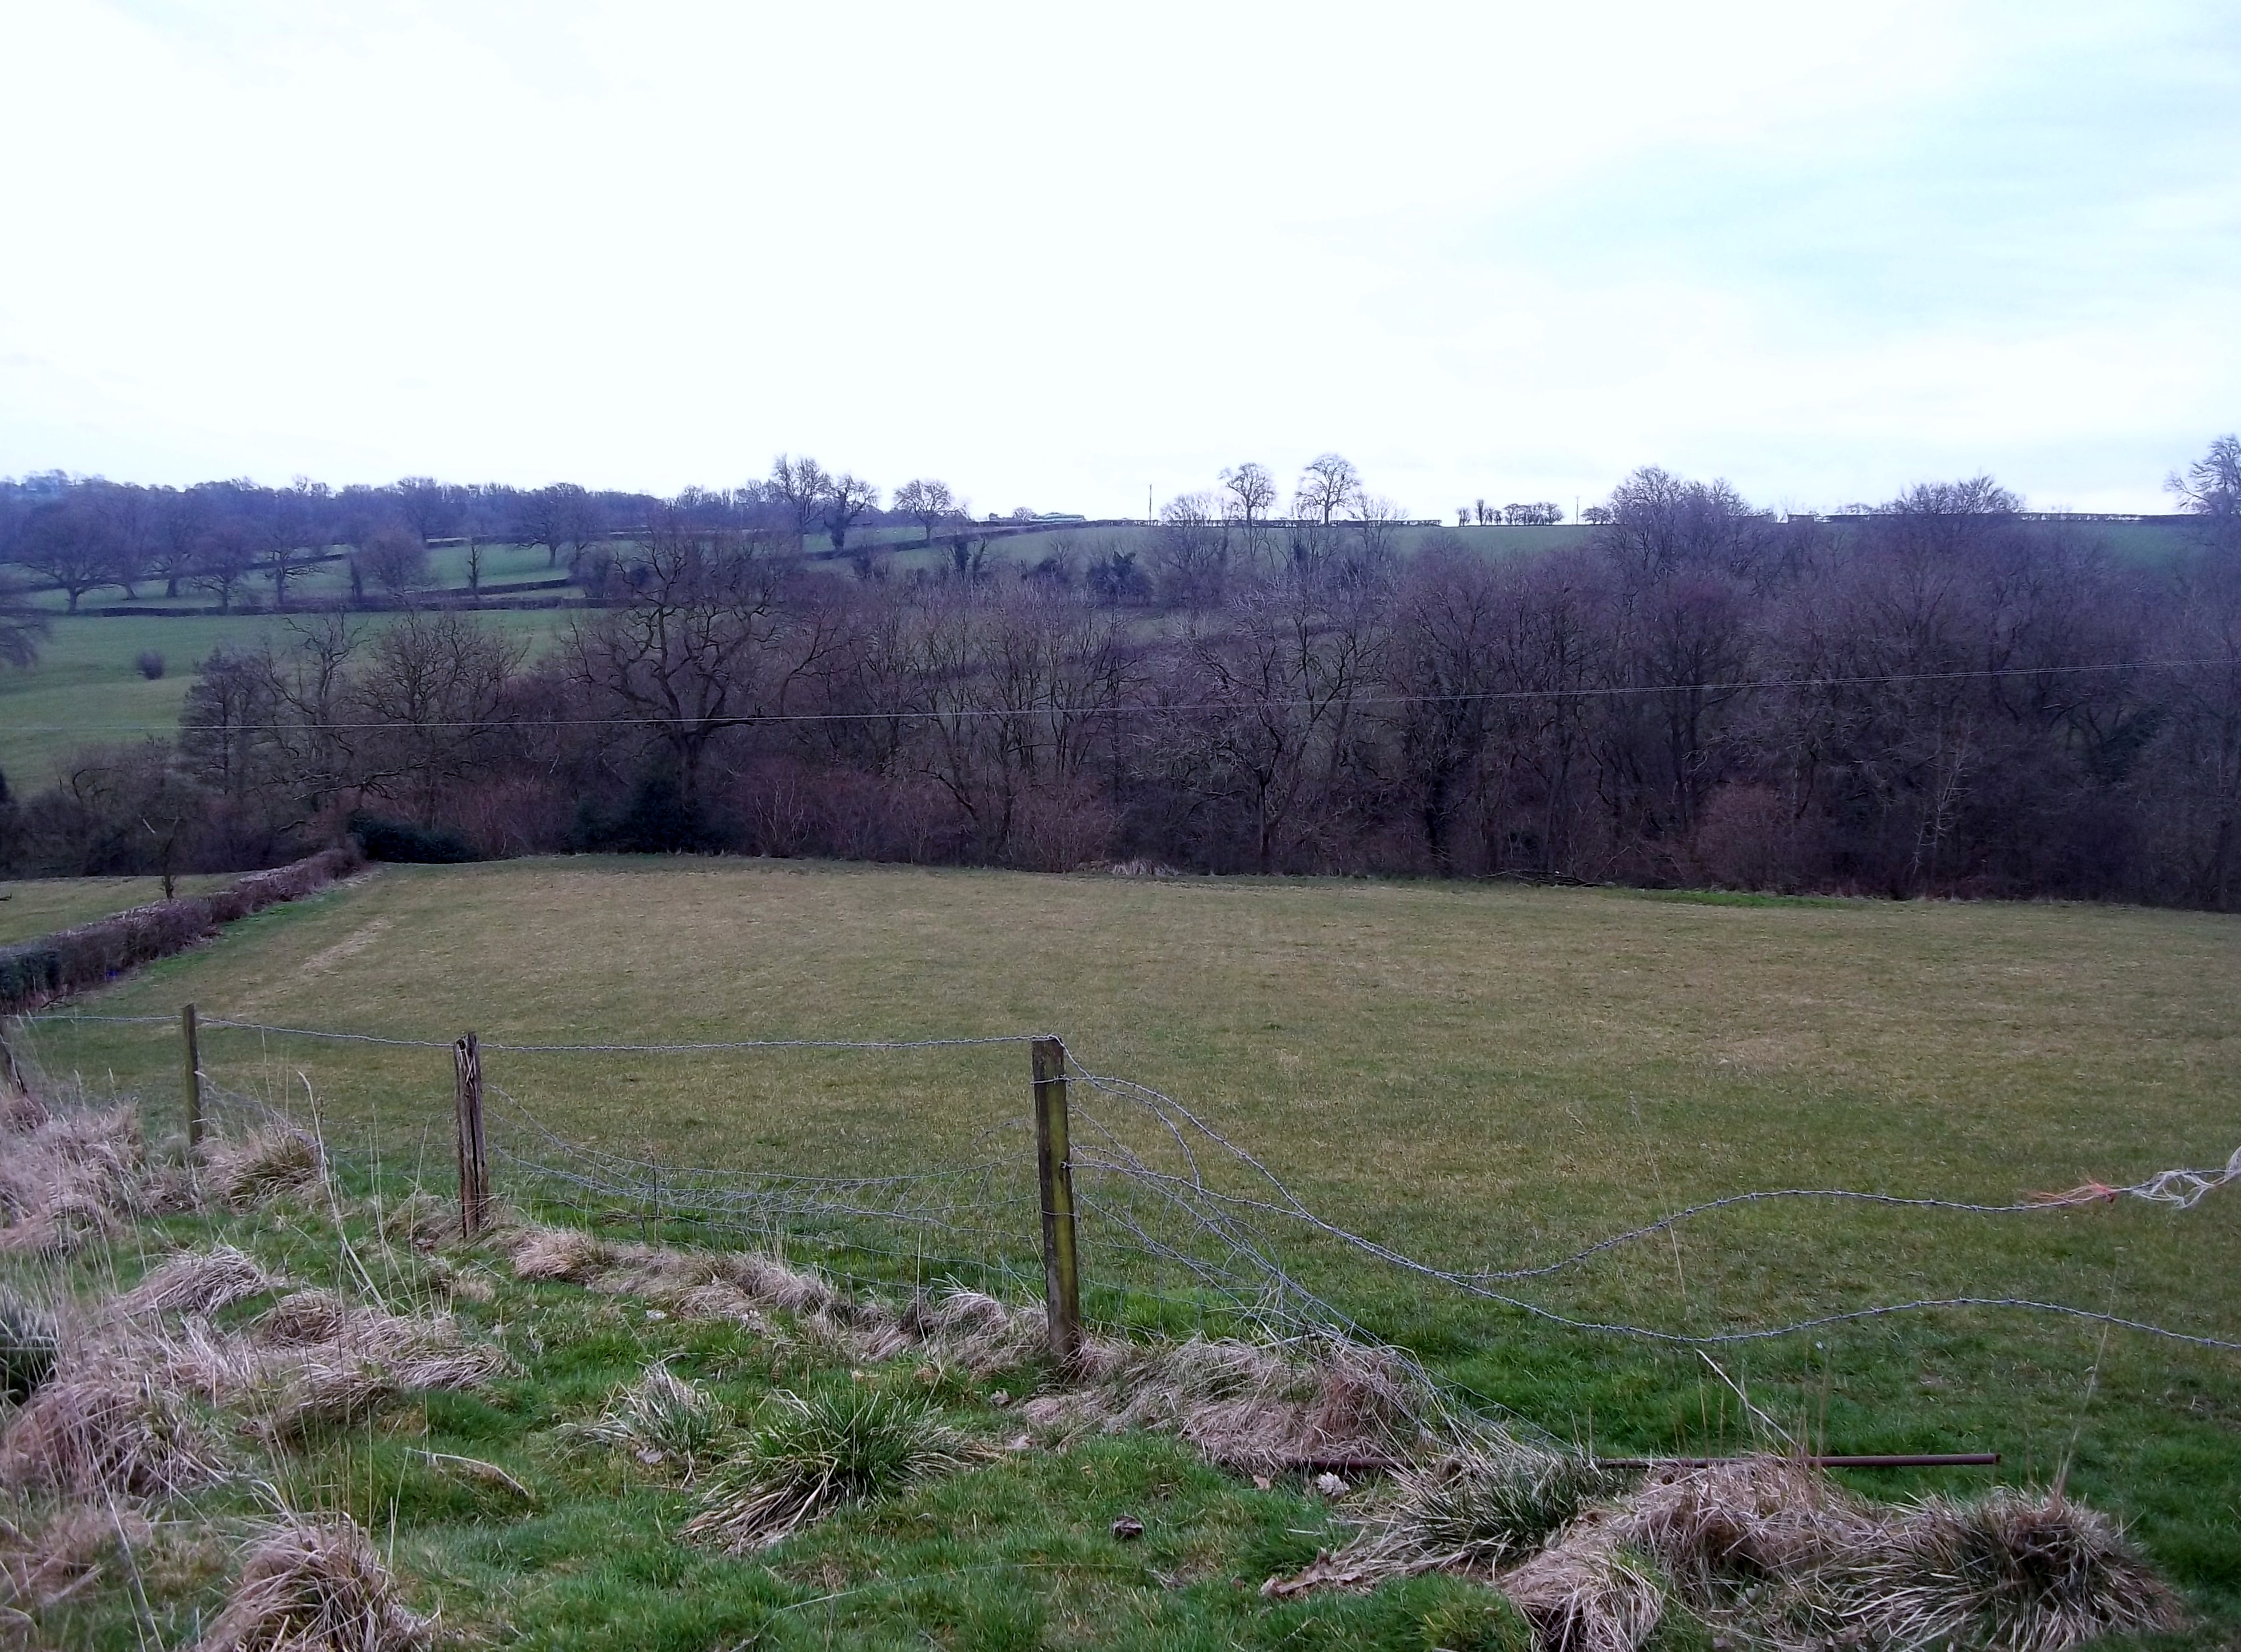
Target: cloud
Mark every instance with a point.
(1056, 255)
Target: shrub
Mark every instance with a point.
(150, 664)
(403, 841)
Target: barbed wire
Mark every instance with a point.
(1216, 1214)
(1175, 1216)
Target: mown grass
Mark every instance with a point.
(32, 906)
(1480, 1076)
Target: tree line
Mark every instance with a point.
(1939, 698)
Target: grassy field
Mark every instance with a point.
(87, 690)
(32, 906)
(1481, 1076)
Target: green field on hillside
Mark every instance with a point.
(32, 906)
(1481, 1077)
(87, 689)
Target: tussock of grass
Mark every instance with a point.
(315, 1585)
(1598, 1596)
(48, 1560)
(2011, 1570)
(812, 1453)
(69, 1180)
(110, 1429)
(199, 1282)
(264, 1164)
(662, 1419)
(1247, 1406)
(28, 1346)
(1766, 1545)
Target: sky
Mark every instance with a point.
(1062, 255)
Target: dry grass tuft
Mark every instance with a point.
(110, 1429)
(1772, 1548)
(199, 1282)
(566, 1253)
(264, 1164)
(419, 1221)
(304, 1317)
(45, 1565)
(316, 1586)
(29, 1344)
(317, 1361)
(662, 1419)
(813, 1454)
(2012, 1571)
(68, 1182)
(21, 1112)
(1590, 1595)
(977, 1333)
(1248, 1406)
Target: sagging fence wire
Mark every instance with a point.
(1175, 1213)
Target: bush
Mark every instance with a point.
(32, 972)
(401, 840)
(150, 664)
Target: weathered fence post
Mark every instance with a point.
(474, 1166)
(193, 1075)
(1054, 1173)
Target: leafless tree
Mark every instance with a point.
(1190, 552)
(224, 555)
(798, 487)
(700, 645)
(182, 518)
(433, 689)
(71, 546)
(563, 517)
(394, 559)
(1328, 489)
(1249, 496)
(846, 499)
(928, 502)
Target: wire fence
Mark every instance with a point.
(1180, 1227)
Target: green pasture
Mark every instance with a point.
(32, 906)
(87, 689)
(1483, 1077)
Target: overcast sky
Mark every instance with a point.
(1058, 254)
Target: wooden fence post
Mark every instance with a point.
(474, 1166)
(1055, 1172)
(193, 1075)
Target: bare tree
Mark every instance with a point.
(928, 502)
(396, 559)
(1249, 496)
(72, 546)
(2211, 488)
(798, 487)
(181, 519)
(433, 689)
(428, 506)
(846, 497)
(1327, 488)
(224, 555)
(699, 646)
(1190, 552)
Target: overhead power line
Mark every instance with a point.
(1608, 690)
